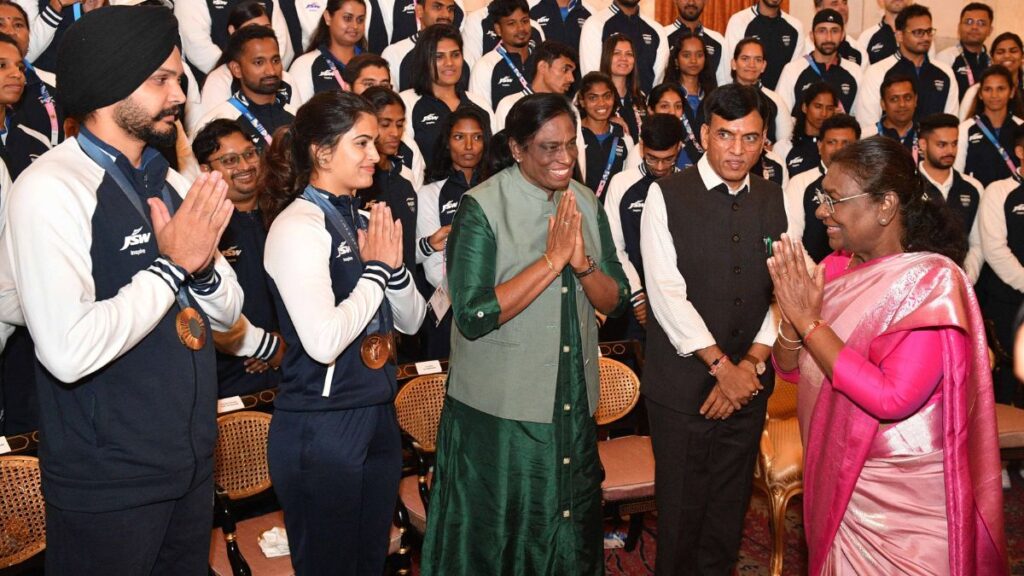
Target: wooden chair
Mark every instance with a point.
(418, 408)
(240, 472)
(22, 511)
(628, 461)
(780, 464)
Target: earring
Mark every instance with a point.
(883, 221)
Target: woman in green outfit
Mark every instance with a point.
(517, 485)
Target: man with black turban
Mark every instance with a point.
(120, 283)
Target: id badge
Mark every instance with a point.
(439, 304)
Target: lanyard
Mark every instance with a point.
(913, 150)
(382, 317)
(51, 109)
(93, 151)
(607, 167)
(333, 67)
(999, 147)
(522, 79)
(821, 74)
(690, 134)
(250, 118)
(76, 10)
(967, 64)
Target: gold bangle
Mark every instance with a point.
(551, 266)
(783, 336)
(784, 347)
(811, 328)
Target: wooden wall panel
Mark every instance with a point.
(716, 12)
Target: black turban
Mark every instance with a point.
(110, 52)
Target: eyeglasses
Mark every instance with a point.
(749, 141)
(922, 32)
(830, 203)
(230, 161)
(980, 22)
(656, 162)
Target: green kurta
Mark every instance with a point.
(517, 497)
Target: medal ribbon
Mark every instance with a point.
(607, 168)
(334, 67)
(522, 79)
(93, 151)
(999, 147)
(250, 118)
(383, 316)
(51, 109)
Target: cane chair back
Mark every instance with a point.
(240, 458)
(418, 408)
(620, 390)
(22, 511)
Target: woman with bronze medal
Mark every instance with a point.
(517, 484)
(340, 288)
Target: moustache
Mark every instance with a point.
(175, 112)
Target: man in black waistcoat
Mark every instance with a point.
(703, 237)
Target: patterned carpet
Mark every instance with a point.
(755, 551)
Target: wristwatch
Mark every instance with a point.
(759, 365)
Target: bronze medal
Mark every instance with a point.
(191, 328)
(376, 350)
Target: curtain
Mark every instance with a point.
(716, 12)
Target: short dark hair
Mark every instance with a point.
(524, 120)
(207, 141)
(350, 73)
(423, 55)
(841, 122)
(744, 43)
(658, 91)
(912, 11)
(898, 78)
(547, 52)
(817, 89)
(499, 9)
(591, 79)
(245, 11)
(381, 96)
(242, 36)
(933, 122)
(734, 101)
(975, 6)
(661, 132)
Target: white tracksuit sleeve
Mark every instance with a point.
(42, 27)
(992, 220)
(194, 23)
(75, 335)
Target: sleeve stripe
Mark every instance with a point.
(208, 287)
(425, 246)
(400, 279)
(376, 275)
(167, 273)
(51, 16)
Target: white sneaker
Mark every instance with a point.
(1006, 479)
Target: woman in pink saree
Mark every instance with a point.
(901, 472)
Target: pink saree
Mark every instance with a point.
(946, 454)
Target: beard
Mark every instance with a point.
(268, 85)
(629, 3)
(134, 120)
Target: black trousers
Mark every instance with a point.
(1003, 315)
(166, 538)
(704, 475)
(336, 476)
